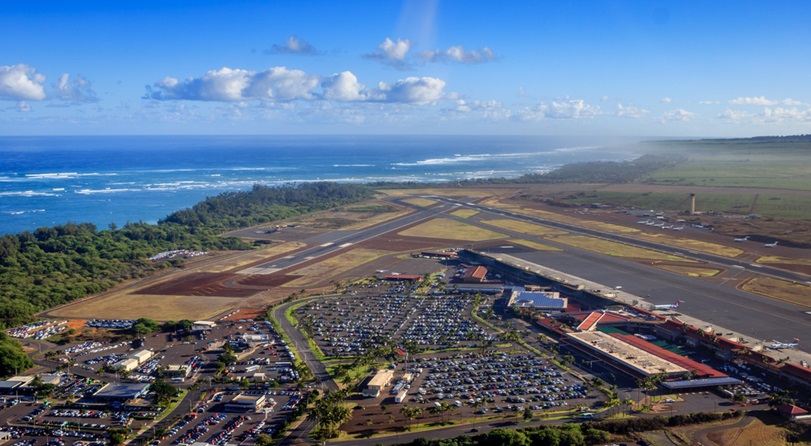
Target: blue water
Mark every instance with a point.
(46, 181)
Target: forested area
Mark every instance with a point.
(265, 204)
(56, 265)
(588, 433)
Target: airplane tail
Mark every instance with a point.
(676, 305)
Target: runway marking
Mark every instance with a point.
(258, 271)
(344, 245)
(309, 257)
(327, 244)
(756, 265)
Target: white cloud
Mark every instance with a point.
(21, 82)
(627, 111)
(23, 106)
(708, 102)
(761, 100)
(666, 100)
(279, 85)
(563, 109)
(232, 85)
(75, 90)
(413, 90)
(293, 45)
(780, 114)
(396, 50)
(734, 115)
(392, 53)
(344, 87)
(679, 114)
(457, 54)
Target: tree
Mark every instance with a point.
(164, 392)
(527, 414)
(13, 359)
(506, 437)
(227, 359)
(263, 440)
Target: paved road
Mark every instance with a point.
(323, 380)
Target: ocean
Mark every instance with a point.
(47, 181)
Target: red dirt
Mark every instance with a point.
(266, 280)
(200, 284)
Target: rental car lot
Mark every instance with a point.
(351, 324)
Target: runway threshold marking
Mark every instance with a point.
(327, 244)
(344, 245)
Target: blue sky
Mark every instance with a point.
(636, 68)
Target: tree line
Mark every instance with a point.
(55, 265)
(583, 434)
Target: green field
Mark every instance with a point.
(785, 206)
(780, 163)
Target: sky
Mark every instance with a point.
(630, 68)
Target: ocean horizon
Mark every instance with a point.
(104, 180)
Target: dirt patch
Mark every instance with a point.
(77, 324)
(784, 290)
(392, 242)
(199, 284)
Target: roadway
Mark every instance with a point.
(322, 378)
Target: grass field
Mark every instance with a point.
(333, 266)
(692, 271)
(754, 433)
(533, 245)
(786, 206)
(615, 249)
(784, 260)
(779, 289)
(464, 213)
(376, 219)
(443, 228)
(159, 308)
(720, 169)
(694, 245)
(524, 227)
(552, 216)
(421, 202)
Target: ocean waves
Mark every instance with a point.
(111, 181)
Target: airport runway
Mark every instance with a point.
(335, 241)
(717, 305)
(724, 261)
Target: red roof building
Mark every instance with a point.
(474, 275)
(702, 370)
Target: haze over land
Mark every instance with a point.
(252, 67)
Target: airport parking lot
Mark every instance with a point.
(351, 324)
(476, 385)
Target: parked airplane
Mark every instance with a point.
(777, 345)
(678, 228)
(743, 239)
(667, 307)
(770, 245)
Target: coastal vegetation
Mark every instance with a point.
(55, 265)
